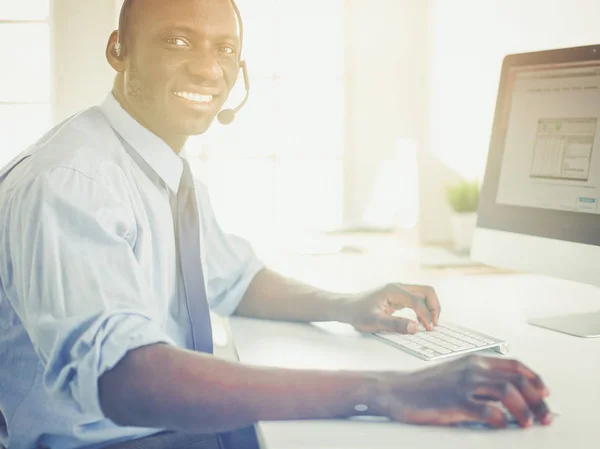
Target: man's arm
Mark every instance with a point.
(165, 387)
(74, 280)
(276, 297)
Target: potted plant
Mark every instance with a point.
(464, 200)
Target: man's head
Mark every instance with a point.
(178, 61)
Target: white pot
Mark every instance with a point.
(463, 228)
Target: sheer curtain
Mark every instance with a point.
(277, 170)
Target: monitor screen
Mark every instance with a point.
(543, 172)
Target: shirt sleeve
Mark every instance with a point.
(74, 281)
(230, 262)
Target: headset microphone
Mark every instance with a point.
(227, 116)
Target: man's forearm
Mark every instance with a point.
(275, 297)
(164, 387)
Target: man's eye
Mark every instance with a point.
(178, 42)
(227, 50)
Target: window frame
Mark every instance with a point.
(25, 103)
(278, 161)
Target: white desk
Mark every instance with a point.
(497, 305)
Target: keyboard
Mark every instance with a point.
(444, 341)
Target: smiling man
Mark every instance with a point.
(112, 258)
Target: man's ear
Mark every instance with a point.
(114, 52)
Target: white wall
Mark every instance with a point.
(469, 40)
(81, 75)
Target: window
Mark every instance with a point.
(25, 76)
(278, 167)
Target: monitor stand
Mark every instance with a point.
(586, 325)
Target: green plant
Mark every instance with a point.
(464, 196)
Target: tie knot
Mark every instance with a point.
(187, 179)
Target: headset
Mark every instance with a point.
(226, 116)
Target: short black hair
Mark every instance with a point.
(123, 24)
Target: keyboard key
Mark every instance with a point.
(442, 343)
(459, 343)
(425, 352)
(440, 349)
(471, 340)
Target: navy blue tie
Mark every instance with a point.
(191, 268)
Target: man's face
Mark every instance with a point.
(181, 62)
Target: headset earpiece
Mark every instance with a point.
(118, 50)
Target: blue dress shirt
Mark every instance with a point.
(89, 271)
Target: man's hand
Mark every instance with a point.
(372, 311)
(468, 389)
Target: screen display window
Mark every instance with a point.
(551, 157)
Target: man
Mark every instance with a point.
(105, 333)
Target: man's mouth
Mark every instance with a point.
(194, 97)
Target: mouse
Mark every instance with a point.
(512, 422)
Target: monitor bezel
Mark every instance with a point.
(555, 224)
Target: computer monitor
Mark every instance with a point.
(540, 200)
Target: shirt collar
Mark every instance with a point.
(151, 148)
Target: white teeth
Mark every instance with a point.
(195, 97)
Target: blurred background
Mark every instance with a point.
(362, 112)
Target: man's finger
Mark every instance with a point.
(423, 313)
(516, 367)
(415, 302)
(480, 411)
(532, 395)
(398, 325)
(433, 304)
(506, 393)
(429, 298)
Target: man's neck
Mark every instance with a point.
(175, 142)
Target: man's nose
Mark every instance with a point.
(204, 65)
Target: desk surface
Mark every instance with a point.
(497, 305)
